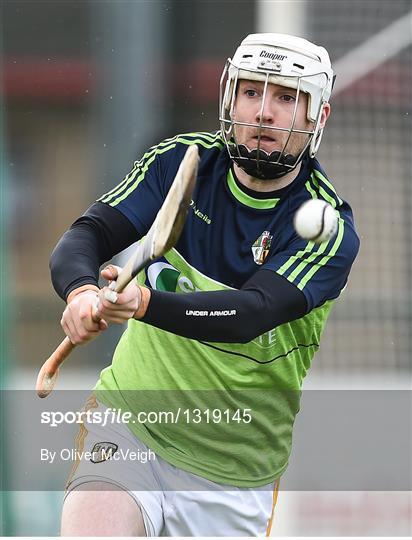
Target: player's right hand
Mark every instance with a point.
(79, 321)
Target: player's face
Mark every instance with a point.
(277, 112)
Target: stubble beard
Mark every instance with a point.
(297, 141)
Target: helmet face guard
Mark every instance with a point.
(286, 61)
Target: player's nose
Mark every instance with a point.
(266, 113)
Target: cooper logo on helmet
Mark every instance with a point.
(272, 56)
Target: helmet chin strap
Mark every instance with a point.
(264, 166)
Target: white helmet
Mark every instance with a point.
(284, 60)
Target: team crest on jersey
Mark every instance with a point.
(261, 246)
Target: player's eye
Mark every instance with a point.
(250, 92)
(288, 98)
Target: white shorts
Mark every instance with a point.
(173, 502)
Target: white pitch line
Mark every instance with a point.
(373, 52)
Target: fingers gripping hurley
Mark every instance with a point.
(162, 236)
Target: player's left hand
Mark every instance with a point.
(114, 307)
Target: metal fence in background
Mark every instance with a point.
(366, 151)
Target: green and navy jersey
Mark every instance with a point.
(228, 236)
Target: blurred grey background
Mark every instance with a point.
(88, 86)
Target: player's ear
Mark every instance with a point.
(325, 114)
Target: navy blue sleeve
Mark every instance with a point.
(319, 271)
(117, 219)
(140, 195)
